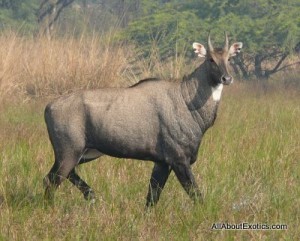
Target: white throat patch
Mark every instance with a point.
(216, 92)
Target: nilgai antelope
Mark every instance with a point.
(153, 120)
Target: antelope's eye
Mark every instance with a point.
(211, 60)
(229, 59)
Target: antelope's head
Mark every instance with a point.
(217, 60)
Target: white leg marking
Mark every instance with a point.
(217, 92)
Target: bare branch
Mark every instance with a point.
(49, 12)
(286, 66)
(46, 12)
(64, 3)
(43, 3)
(274, 70)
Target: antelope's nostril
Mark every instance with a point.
(226, 79)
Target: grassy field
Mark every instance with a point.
(248, 164)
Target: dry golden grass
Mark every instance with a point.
(37, 66)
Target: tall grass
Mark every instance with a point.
(247, 167)
(39, 67)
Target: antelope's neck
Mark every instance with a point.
(201, 98)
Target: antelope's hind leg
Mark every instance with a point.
(87, 156)
(86, 190)
(64, 163)
(59, 171)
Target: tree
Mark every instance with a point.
(49, 12)
(18, 14)
(168, 29)
(270, 30)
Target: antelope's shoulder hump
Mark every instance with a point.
(143, 81)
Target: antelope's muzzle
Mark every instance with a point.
(226, 79)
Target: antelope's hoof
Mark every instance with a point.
(90, 196)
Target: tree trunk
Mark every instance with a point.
(261, 73)
(240, 63)
(122, 13)
(49, 12)
(258, 67)
(235, 69)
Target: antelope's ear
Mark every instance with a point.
(235, 48)
(199, 49)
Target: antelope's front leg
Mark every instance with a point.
(158, 180)
(186, 178)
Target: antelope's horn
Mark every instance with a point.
(210, 47)
(226, 46)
